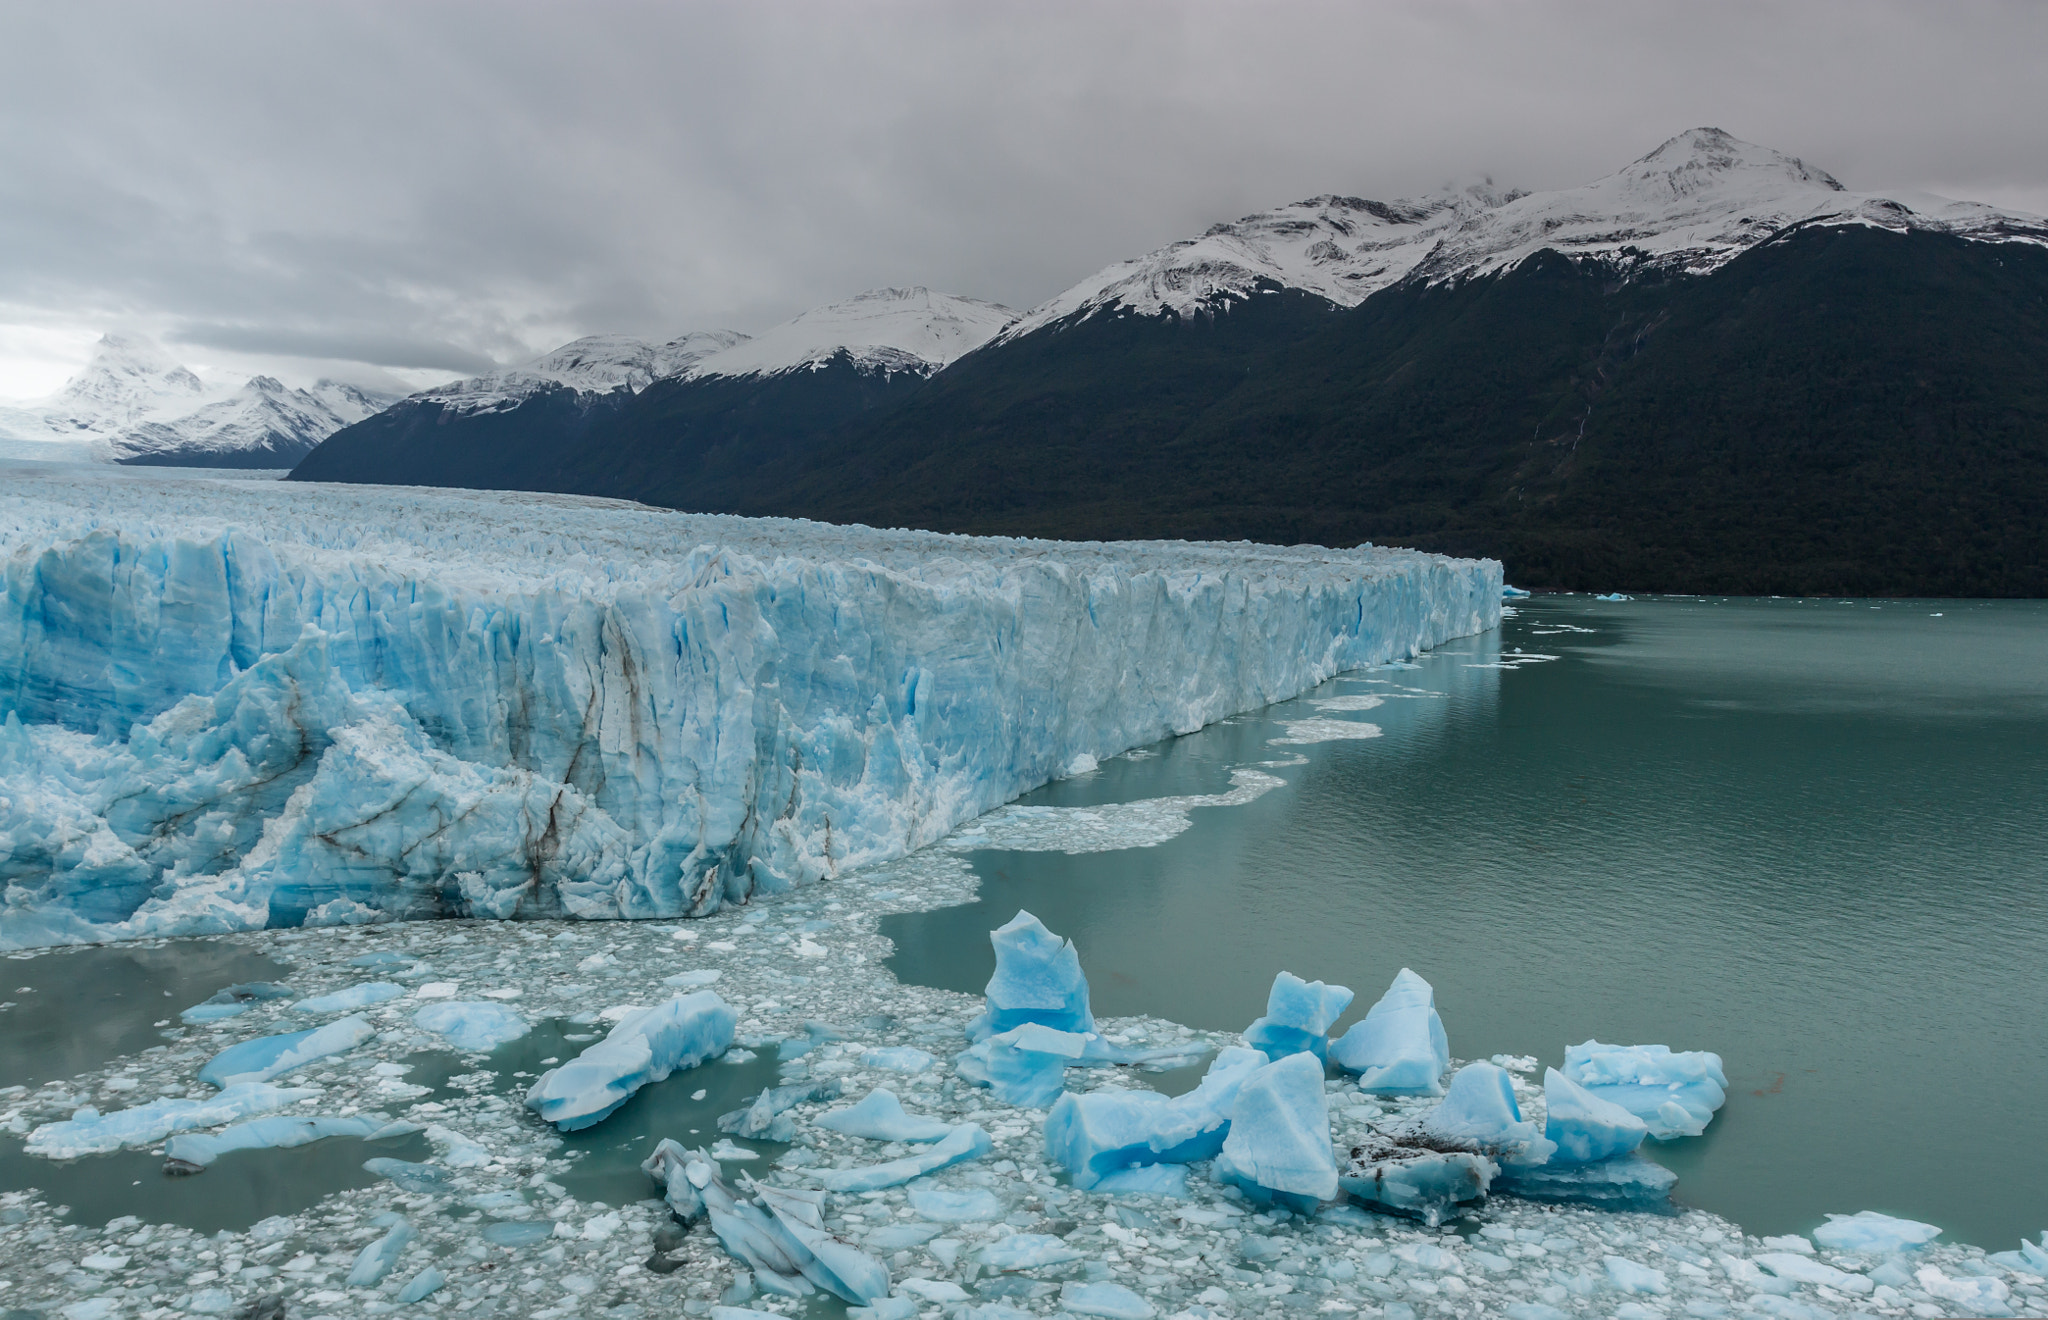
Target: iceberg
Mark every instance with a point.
(1675, 1094)
(965, 1142)
(1278, 1148)
(266, 1057)
(1025, 1065)
(193, 1151)
(472, 1024)
(234, 1001)
(1416, 1180)
(1037, 980)
(1299, 1015)
(1620, 1182)
(766, 1117)
(351, 999)
(1099, 1135)
(646, 1046)
(880, 1117)
(1586, 1128)
(1399, 1046)
(409, 1175)
(89, 1132)
(1479, 1109)
(236, 705)
(1869, 1233)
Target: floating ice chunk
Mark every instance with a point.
(1614, 595)
(234, 1000)
(1145, 1180)
(471, 1024)
(89, 1132)
(1479, 1107)
(695, 980)
(407, 1175)
(1625, 1182)
(377, 1260)
(1586, 1128)
(2029, 1259)
(934, 1290)
(1871, 1234)
(880, 1117)
(1024, 1065)
(1511, 593)
(1279, 1142)
(518, 1234)
(1298, 1017)
(1093, 1135)
(1037, 980)
(422, 1286)
(1981, 1295)
(834, 1265)
(1632, 1277)
(1322, 729)
(199, 1149)
(897, 1058)
(645, 1047)
(965, 1142)
(1675, 1094)
(1026, 1251)
(382, 958)
(1805, 1269)
(1399, 1046)
(1112, 1301)
(351, 999)
(941, 1205)
(764, 1117)
(266, 1057)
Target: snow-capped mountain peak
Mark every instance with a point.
(887, 330)
(130, 377)
(594, 364)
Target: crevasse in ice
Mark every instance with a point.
(236, 705)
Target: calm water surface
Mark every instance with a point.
(1802, 834)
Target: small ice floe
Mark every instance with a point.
(1298, 1018)
(189, 1152)
(375, 1261)
(1278, 1148)
(89, 1132)
(1399, 1047)
(767, 1117)
(1024, 1066)
(967, 1141)
(1674, 1093)
(1869, 1233)
(880, 1116)
(645, 1047)
(351, 999)
(472, 1024)
(234, 1001)
(266, 1057)
(1098, 1135)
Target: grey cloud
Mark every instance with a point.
(434, 183)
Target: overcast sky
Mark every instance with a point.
(358, 188)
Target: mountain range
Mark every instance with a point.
(134, 403)
(1716, 369)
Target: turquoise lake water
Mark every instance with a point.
(1804, 834)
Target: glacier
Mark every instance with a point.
(236, 705)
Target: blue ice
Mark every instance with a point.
(234, 1001)
(1399, 1046)
(1872, 1234)
(1024, 1065)
(1145, 1180)
(1110, 1301)
(378, 1259)
(266, 1057)
(351, 999)
(1620, 1182)
(274, 1131)
(1026, 1251)
(1037, 980)
(897, 1058)
(1479, 1107)
(1299, 1015)
(644, 1047)
(89, 1132)
(1097, 1133)
(422, 1286)
(1278, 1148)
(1586, 1128)
(945, 1206)
(880, 1117)
(965, 1142)
(1428, 1184)
(1675, 1094)
(409, 1175)
(472, 1024)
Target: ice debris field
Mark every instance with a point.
(231, 705)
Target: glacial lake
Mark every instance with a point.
(1803, 834)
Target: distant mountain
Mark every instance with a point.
(712, 398)
(1715, 369)
(136, 404)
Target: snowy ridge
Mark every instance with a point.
(331, 704)
(595, 364)
(1692, 205)
(886, 330)
(263, 417)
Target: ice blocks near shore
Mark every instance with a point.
(1586, 1128)
(1278, 1148)
(1674, 1093)
(266, 1057)
(644, 1047)
(234, 705)
(1025, 1066)
(1479, 1107)
(1037, 980)
(1399, 1046)
(1299, 1015)
(1098, 1135)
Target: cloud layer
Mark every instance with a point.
(434, 187)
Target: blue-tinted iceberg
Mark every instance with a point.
(226, 706)
(767, 1117)
(965, 1142)
(1869, 1233)
(1675, 1094)
(1299, 1015)
(1278, 1148)
(1586, 1128)
(1416, 1180)
(880, 1117)
(89, 1132)
(1097, 1134)
(944, 1206)
(644, 1047)
(1399, 1046)
(1479, 1109)
(196, 1150)
(1621, 1182)
(1037, 980)
(1025, 1065)
(375, 1261)
(472, 1024)
(266, 1057)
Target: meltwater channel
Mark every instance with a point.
(1804, 834)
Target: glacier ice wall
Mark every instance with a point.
(236, 704)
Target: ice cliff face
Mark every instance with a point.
(1693, 204)
(230, 705)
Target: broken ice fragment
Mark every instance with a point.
(1037, 979)
(1399, 1046)
(518, 1234)
(881, 1117)
(1411, 1179)
(1026, 1251)
(1145, 1180)
(1675, 1094)
(965, 1142)
(1872, 1234)
(764, 1119)
(376, 1260)
(1625, 1182)
(644, 1047)
(89, 1132)
(351, 999)
(974, 1205)
(234, 1001)
(1093, 1135)
(1479, 1110)
(1024, 1065)
(266, 1057)
(898, 1058)
(199, 1149)
(408, 1176)
(1279, 1143)
(473, 1025)
(1298, 1018)
(422, 1285)
(1586, 1128)
(1112, 1301)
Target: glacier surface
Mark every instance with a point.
(228, 705)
